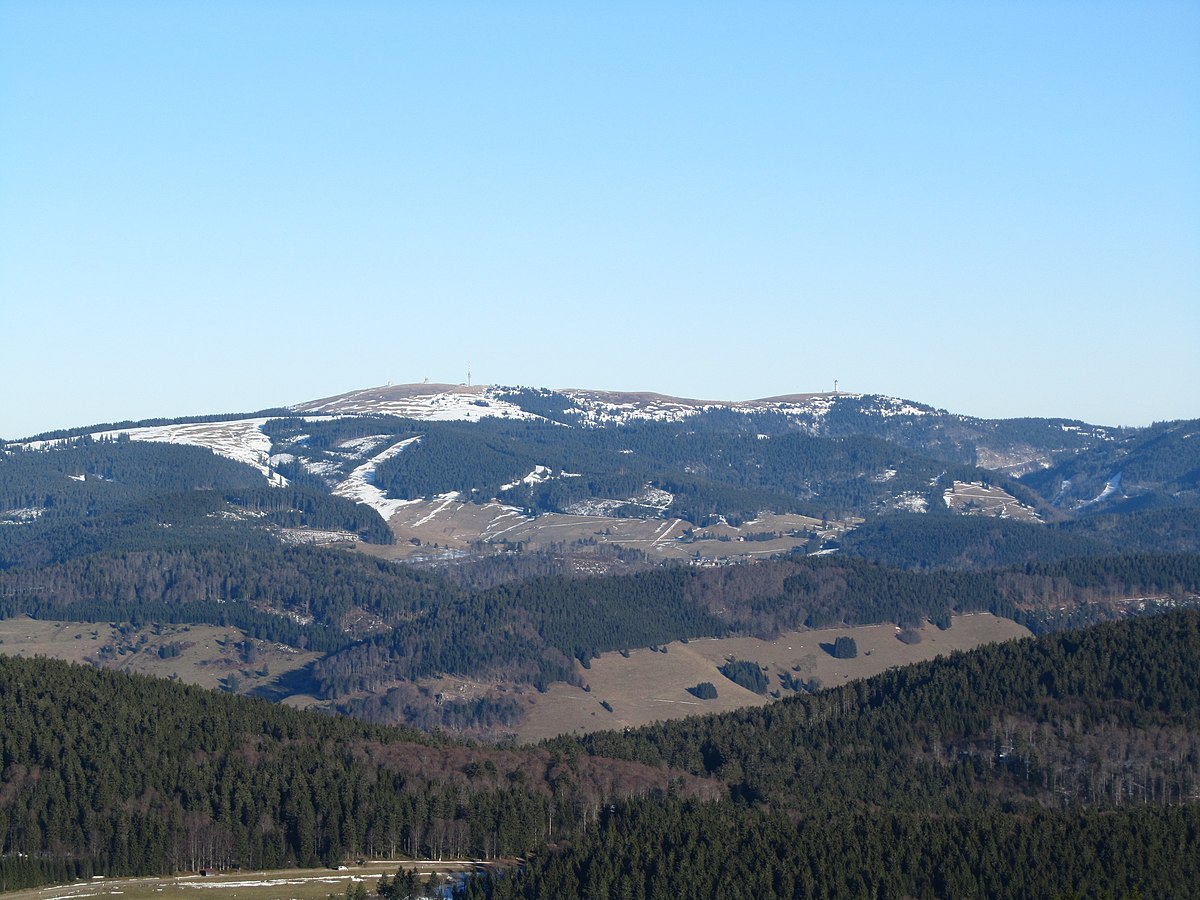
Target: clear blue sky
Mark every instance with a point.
(212, 206)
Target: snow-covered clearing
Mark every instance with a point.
(240, 439)
(595, 507)
(1111, 487)
(911, 501)
(596, 408)
(655, 498)
(363, 445)
(22, 516)
(359, 486)
(976, 498)
(537, 476)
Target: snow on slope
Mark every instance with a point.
(244, 441)
(241, 440)
(537, 476)
(601, 408)
(359, 486)
(444, 502)
(1111, 487)
(445, 402)
(432, 402)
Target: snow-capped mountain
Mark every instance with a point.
(461, 466)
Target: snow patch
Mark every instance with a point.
(22, 516)
(911, 501)
(1111, 487)
(537, 476)
(650, 498)
(360, 487)
(240, 439)
(446, 499)
(363, 445)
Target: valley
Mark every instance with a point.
(639, 686)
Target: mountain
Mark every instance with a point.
(460, 466)
(461, 558)
(1010, 445)
(410, 539)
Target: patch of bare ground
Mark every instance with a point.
(649, 685)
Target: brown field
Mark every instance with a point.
(208, 653)
(443, 527)
(651, 686)
(289, 884)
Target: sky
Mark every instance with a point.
(993, 208)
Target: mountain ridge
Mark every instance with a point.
(457, 467)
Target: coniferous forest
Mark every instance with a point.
(1059, 766)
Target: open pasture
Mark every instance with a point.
(650, 685)
(445, 526)
(210, 656)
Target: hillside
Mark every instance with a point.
(456, 469)
(1062, 764)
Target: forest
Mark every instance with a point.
(1067, 765)
(1063, 766)
(95, 496)
(109, 773)
(717, 463)
(534, 630)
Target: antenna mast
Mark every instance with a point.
(468, 373)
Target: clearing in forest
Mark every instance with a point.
(650, 685)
